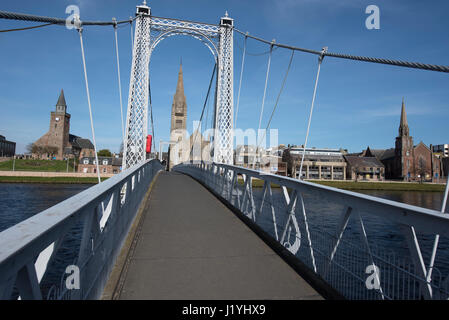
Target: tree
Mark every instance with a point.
(37, 149)
(29, 147)
(104, 153)
(51, 150)
(422, 168)
(287, 157)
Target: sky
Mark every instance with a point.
(358, 104)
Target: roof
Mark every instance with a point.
(380, 154)
(387, 154)
(355, 161)
(111, 160)
(179, 99)
(80, 143)
(116, 161)
(61, 99)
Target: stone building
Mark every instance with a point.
(199, 148)
(179, 151)
(58, 143)
(245, 156)
(106, 165)
(441, 150)
(445, 167)
(328, 164)
(407, 161)
(7, 148)
(364, 168)
(265, 160)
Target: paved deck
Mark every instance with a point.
(191, 246)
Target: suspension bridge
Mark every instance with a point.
(219, 238)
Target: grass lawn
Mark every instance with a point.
(69, 180)
(37, 165)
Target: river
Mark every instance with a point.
(21, 201)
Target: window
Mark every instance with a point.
(86, 161)
(105, 162)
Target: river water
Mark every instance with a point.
(21, 201)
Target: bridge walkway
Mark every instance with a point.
(191, 246)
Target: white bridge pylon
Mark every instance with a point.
(149, 32)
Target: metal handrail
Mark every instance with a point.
(322, 252)
(105, 212)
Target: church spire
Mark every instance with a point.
(403, 126)
(179, 95)
(61, 99)
(61, 106)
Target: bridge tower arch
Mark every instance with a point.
(149, 32)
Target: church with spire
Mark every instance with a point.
(407, 161)
(183, 148)
(178, 148)
(58, 143)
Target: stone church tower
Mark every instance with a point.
(178, 152)
(404, 148)
(58, 133)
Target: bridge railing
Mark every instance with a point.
(363, 246)
(68, 250)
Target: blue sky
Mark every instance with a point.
(358, 104)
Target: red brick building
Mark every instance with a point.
(106, 165)
(407, 161)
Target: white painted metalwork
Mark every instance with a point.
(339, 259)
(137, 114)
(149, 32)
(28, 248)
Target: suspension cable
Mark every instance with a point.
(407, 64)
(320, 60)
(27, 28)
(202, 112)
(416, 65)
(132, 36)
(254, 54)
(119, 80)
(437, 237)
(59, 21)
(240, 83)
(207, 115)
(264, 94)
(278, 97)
(80, 31)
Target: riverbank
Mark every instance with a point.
(63, 180)
(387, 186)
(352, 185)
(50, 177)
